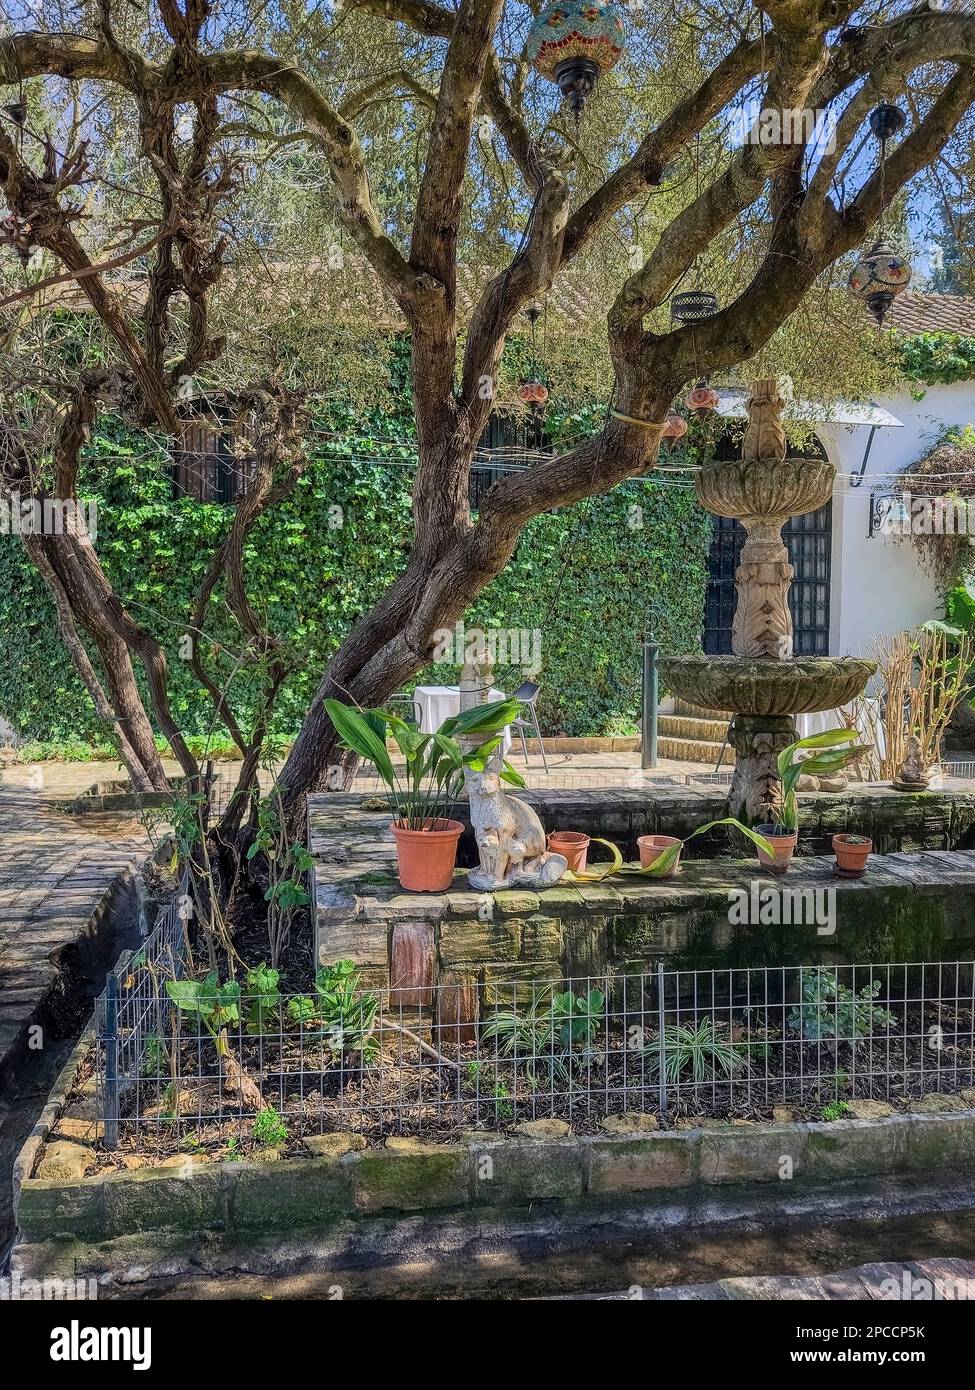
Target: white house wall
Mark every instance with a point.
(877, 585)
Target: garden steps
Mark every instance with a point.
(685, 709)
(695, 735)
(693, 750)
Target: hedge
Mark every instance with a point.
(585, 576)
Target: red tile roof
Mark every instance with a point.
(914, 312)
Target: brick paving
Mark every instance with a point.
(55, 874)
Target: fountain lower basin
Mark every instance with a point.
(766, 687)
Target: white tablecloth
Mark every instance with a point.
(438, 702)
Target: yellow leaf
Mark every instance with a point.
(596, 875)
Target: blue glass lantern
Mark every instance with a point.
(573, 44)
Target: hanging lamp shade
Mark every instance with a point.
(675, 426)
(690, 306)
(703, 398)
(573, 44)
(887, 120)
(879, 277)
(533, 393)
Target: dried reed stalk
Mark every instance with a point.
(923, 675)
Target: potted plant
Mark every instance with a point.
(852, 853)
(783, 833)
(660, 854)
(431, 781)
(651, 847)
(573, 844)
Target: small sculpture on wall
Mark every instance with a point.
(912, 775)
(509, 836)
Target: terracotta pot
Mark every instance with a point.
(426, 857)
(851, 858)
(573, 844)
(651, 847)
(783, 843)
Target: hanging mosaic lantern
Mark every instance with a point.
(675, 426)
(886, 120)
(533, 393)
(879, 277)
(690, 306)
(573, 44)
(703, 398)
(883, 272)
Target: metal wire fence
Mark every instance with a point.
(249, 1068)
(135, 1010)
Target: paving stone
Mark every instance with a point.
(55, 873)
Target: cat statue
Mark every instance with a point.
(509, 836)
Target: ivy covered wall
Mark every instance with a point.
(585, 578)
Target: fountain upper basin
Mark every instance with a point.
(765, 487)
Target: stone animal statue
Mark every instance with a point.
(912, 775)
(764, 433)
(509, 836)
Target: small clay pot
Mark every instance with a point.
(851, 858)
(573, 845)
(651, 847)
(426, 858)
(783, 842)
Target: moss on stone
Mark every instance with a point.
(385, 1181)
(303, 1194)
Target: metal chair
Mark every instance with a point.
(528, 694)
(413, 714)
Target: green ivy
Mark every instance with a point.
(938, 358)
(587, 577)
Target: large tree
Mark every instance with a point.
(440, 145)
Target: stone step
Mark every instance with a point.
(686, 710)
(695, 751)
(692, 727)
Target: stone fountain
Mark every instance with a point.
(763, 684)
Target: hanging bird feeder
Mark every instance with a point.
(573, 45)
(883, 272)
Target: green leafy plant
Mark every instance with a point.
(704, 1048)
(286, 862)
(550, 1032)
(342, 1013)
(576, 1018)
(154, 1059)
(835, 1110)
(938, 358)
(262, 999)
(269, 1128)
(832, 759)
(831, 1010)
(216, 1005)
(433, 777)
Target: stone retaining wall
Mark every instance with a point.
(160, 1219)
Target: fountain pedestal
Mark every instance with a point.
(763, 685)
